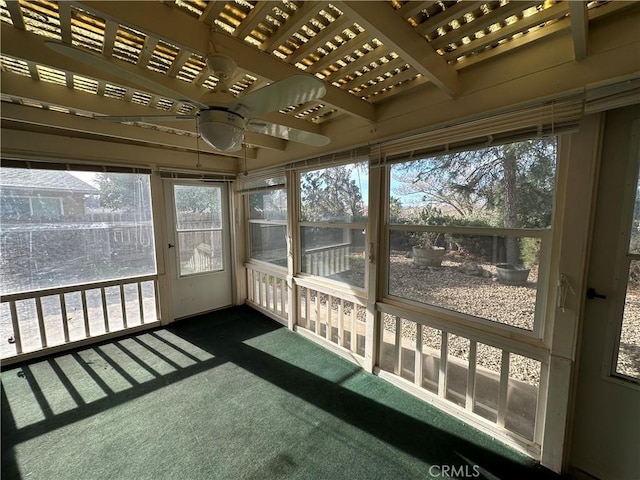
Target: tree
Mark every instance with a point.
(512, 183)
(331, 194)
(124, 192)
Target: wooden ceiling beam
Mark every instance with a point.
(20, 87)
(292, 25)
(380, 19)
(15, 12)
(212, 11)
(110, 33)
(64, 14)
(579, 28)
(253, 18)
(319, 39)
(186, 32)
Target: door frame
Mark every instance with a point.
(172, 273)
(613, 286)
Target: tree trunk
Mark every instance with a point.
(509, 164)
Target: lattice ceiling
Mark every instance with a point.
(367, 53)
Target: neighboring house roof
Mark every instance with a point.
(43, 180)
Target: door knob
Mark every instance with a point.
(591, 294)
(171, 245)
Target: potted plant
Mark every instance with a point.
(427, 251)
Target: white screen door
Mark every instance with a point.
(199, 259)
(606, 429)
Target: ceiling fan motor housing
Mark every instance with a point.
(222, 129)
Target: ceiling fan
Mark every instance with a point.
(222, 119)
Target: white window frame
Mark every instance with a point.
(534, 337)
(299, 224)
(260, 221)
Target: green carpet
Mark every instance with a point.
(230, 395)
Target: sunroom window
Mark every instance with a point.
(469, 231)
(333, 219)
(268, 226)
(78, 256)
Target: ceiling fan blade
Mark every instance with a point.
(143, 118)
(288, 133)
(121, 71)
(293, 90)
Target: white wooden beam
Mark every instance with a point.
(188, 33)
(51, 94)
(64, 12)
(319, 39)
(292, 25)
(15, 12)
(444, 17)
(25, 144)
(31, 48)
(555, 12)
(110, 33)
(147, 51)
(214, 8)
(263, 64)
(349, 69)
(470, 28)
(412, 8)
(253, 18)
(342, 51)
(579, 28)
(178, 63)
(396, 33)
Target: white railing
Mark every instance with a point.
(267, 290)
(327, 261)
(334, 316)
(38, 320)
(489, 381)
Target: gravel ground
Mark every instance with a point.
(479, 295)
(629, 354)
(484, 297)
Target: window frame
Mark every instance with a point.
(624, 258)
(299, 224)
(259, 221)
(544, 290)
(178, 230)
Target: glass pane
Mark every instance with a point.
(628, 362)
(508, 186)
(334, 253)
(634, 241)
(336, 194)
(200, 252)
(473, 275)
(89, 227)
(269, 243)
(198, 207)
(46, 207)
(268, 205)
(487, 381)
(522, 396)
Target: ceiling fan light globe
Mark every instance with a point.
(222, 130)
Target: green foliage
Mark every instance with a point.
(124, 192)
(331, 195)
(529, 250)
(509, 185)
(196, 199)
(395, 210)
